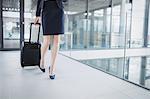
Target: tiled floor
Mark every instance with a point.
(73, 81)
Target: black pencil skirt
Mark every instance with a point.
(52, 19)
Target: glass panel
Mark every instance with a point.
(137, 23)
(97, 35)
(128, 24)
(147, 78)
(11, 27)
(116, 36)
(112, 66)
(133, 71)
(29, 15)
(99, 31)
(139, 70)
(134, 64)
(76, 34)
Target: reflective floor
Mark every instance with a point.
(74, 80)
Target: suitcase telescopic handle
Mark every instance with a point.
(38, 31)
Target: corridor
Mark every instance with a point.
(74, 80)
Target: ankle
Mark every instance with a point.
(42, 66)
(51, 73)
(41, 63)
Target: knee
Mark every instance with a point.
(56, 40)
(46, 43)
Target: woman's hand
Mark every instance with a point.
(37, 20)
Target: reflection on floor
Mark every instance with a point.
(73, 81)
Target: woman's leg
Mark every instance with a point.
(54, 52)
(44, 48)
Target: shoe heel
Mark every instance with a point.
(52, 77)
(42, 69)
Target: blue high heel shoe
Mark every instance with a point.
(51, 76)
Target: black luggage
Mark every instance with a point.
(30, 51)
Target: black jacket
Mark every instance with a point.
(40, 5)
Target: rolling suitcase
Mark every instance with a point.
(31, 51)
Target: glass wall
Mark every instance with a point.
(106, 24)
(138, 15)
(97, 26)
(108, 35)
(11, 23)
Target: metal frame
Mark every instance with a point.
(111, 24)
(21, 22)
(86, 45)
(146, 23)
(1, 26)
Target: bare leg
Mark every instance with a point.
(54, 52)
(44, 48)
